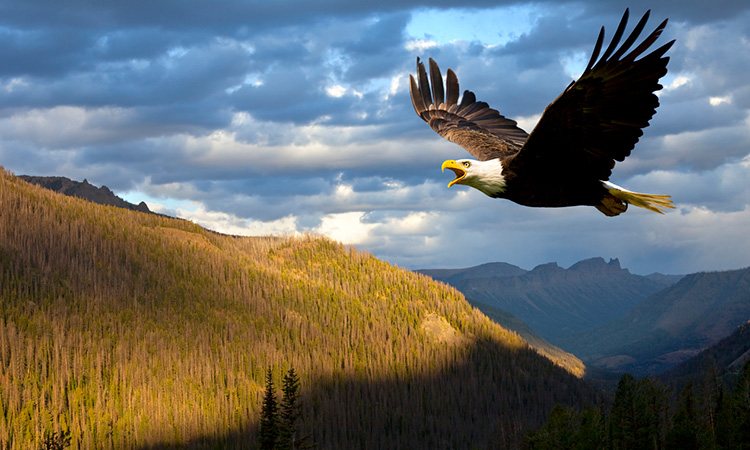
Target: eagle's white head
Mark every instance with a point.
(486, 176)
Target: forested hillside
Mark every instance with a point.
(133, 330)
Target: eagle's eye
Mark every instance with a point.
(467, 164)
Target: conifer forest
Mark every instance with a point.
(137, 331)
(647, 414)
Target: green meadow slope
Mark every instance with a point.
(133, 330)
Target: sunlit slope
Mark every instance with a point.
(139, 331)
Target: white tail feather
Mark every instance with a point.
(652, 202)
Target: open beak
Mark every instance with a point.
(456, 168)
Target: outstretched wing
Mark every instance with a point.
(598, 119)
(471, 124)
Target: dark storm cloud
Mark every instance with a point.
(694, 11)
(194, 74)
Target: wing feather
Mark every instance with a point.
(481, 130)
(437, 84)
(633, 36)
(600, 117)
(451, 88)
(416, 100)
(424, 85)
(597, 49)
(618, 34)
(647, 43)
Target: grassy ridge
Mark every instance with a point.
(139, 331)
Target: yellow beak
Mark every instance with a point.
(456, 168)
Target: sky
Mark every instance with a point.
(285, 117)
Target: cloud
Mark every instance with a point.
(261, 117)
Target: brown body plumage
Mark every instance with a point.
(570, 154)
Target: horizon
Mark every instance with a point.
(417, 269)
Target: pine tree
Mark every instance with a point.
(724, 421)
(56, 441)
(592, 432)
(622, 417)
(684, 432)
(269, 420)
(741, 406)
(710, 395)
(651, 414)
(290, 411)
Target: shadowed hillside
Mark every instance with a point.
(538, 343)
(726, 356)
(671, 326)
(134, 330)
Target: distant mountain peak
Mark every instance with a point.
(547, 268)
(598, 265)
(486, 270)
(85, 190)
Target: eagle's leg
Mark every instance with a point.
(612, 206)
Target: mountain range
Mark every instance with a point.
(554, 301)
(613, 320)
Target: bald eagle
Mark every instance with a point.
(569, 156)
